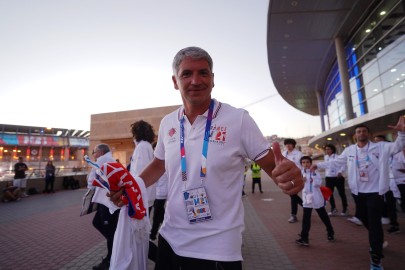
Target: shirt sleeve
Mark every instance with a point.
(254, 143)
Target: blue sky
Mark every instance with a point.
(61, 61)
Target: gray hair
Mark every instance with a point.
(193, 52)
(104, 148)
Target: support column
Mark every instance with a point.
(344, 77)
(321, 109)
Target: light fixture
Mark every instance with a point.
(342, 134)
(382, 13)
(329, 139)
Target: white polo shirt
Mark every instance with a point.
(141, 157)
(234, 136)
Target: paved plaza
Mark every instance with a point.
(45, 231)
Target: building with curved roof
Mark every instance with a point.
(342, 60)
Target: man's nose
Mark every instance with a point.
(196, 78)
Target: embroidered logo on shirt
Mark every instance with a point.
(171, 134)
(218, 135)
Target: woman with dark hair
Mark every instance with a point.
(334, 178)
(49, 177)
(143, 135)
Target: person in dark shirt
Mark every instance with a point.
(20, 177)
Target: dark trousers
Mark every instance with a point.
(339, 183)
(256, 181)
(356, 211)
(391, 208)
(106, 224)
(158, 215)
(295, 201)
(401, 188)
(49, 181)
(168, 260)
(370, 213)
(306, 221)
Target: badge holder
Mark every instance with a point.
(197, 206)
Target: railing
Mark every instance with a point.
(7, 175)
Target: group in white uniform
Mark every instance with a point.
(368, 174)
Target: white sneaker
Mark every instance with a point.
(385, 220)
(334, 212)
(385, 244)
(293, 219)
(346, 213)
(355, 221)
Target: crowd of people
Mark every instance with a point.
(178, 201)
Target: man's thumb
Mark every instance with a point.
(278, 157)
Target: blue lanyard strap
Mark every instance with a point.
(203, 170)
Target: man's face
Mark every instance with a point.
(361, 134)
(194, 80)
(96, 153)
(328, 151)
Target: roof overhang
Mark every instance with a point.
(301, 47)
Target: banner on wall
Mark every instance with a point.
(26, 140)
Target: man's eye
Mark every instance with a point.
(185, 74)
(204, 73)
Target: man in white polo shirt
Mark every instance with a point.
(202, 146)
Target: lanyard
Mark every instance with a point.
(367, 158)
(310, 179)
(203, 170)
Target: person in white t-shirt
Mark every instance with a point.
(398, 171)
(143, 135)
(105, 221)
(294, 155)
(334, 178)
(397, 189)
(202, 146)
(368, 174)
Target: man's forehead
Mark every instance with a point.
(191, 63)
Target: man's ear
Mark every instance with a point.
(175, 82)
(213, 83)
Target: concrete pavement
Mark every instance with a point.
(45, 231)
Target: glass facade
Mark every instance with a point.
(375, 56)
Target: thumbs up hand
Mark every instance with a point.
(286, 174)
